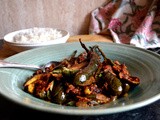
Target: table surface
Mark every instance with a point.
(12, 111)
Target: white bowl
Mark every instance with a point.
(21, 44)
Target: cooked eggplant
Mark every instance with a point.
(88, 79)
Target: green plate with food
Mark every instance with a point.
(89, 78)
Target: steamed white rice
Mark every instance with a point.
(37, 35)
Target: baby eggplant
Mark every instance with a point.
(114, 83)
(85, 76)
(60, 98)
(58, 94)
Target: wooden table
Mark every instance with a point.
(99, 38)
(6, 52)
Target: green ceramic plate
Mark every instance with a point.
(141, 63)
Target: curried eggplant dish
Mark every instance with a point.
(83, 80)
